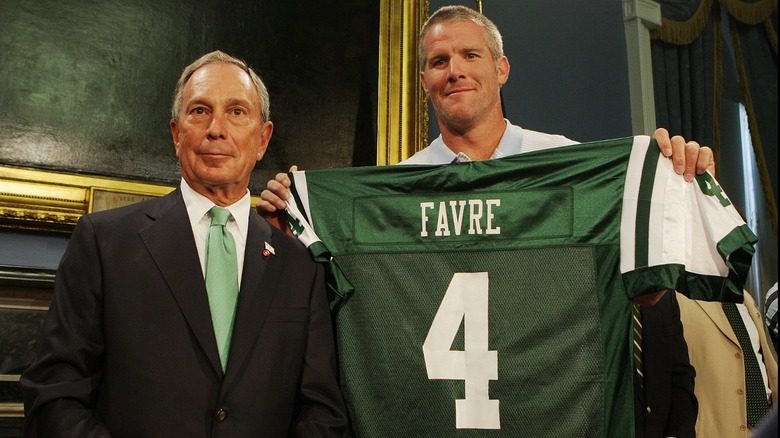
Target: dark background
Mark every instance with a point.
(569, 67)
(86, 86)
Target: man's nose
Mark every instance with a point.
(455, 69)
(217, 126)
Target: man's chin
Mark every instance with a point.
(214, 176)
(458, 120)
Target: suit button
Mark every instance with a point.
(740, 391)
(738, 355)
(742, 427)
(649, 410)
(221, 415)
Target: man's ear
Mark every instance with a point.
(502, 66)
(265, 137)
(175, 135)
(424, 85)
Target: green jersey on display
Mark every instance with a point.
(493, 298)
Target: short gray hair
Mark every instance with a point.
(219, 56)
(461, 13)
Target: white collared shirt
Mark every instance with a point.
(198, 207)
(515, 140)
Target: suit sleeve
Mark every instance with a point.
(685, 406)
(321, 410)
(59, 388)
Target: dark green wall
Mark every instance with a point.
(85, 86)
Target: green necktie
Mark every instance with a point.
(221, 280)
(755, 392)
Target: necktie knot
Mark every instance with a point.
(219, 215)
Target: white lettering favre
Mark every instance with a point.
(479, 217)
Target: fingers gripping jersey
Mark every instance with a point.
(492, 298)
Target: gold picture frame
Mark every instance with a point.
(43, 200)
(402, 113)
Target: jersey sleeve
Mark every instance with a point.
(680, 235)
(299, 222)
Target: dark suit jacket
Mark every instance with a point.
(668, 407)
(128, 346)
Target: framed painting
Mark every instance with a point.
(53, 169)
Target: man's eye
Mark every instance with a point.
(199, 111)
(237, 111)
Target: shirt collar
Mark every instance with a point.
(198, 206)
(511, 143)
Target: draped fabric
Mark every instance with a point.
(689, 51)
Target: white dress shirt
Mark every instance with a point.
(515, 140)
(198, 207)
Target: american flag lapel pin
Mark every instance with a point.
(268, 250)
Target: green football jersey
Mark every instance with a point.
(493, 298)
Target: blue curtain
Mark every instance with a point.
(689, 50)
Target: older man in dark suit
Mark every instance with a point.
(145, 338)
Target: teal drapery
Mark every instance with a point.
(688, 59)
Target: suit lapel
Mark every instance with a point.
(170, 243)
(259, 283)
(714, 311)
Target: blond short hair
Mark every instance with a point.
(456, 13)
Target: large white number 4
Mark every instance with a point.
(466, 300)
